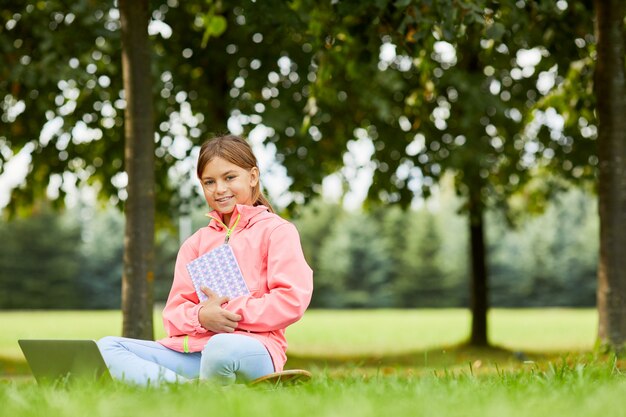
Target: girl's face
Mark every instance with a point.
(226, 184)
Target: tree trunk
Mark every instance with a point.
(610, 92)
(478, 288)
(138, 272)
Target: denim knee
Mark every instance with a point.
(217, 357)
(108, 342)
(229, 357)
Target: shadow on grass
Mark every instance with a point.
(471, 359)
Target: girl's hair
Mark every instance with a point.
(235, 150)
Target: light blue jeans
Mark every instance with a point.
(225, 358)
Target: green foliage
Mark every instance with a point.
(312, 73)
(71, 260)
(315, 222)
(65, 67)
(40, 263)
(389, 257)
(354, 267)
(166, 248)
(546, 260)
(470, 109)
(63, 64)
(556, 253)
(214, 25)
(102, 251)
(416, 247)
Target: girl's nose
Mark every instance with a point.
(220, 186)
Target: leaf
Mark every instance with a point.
(214, 27)
(217, 25)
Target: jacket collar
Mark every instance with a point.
(247, 214)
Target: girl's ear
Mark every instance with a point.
(254, 177)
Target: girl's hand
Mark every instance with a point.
(213, 317)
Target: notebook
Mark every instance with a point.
(52, 360)
(219, 271)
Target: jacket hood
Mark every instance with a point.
(249, 216)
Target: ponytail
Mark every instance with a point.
(263, 201)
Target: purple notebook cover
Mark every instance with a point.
(218, 270)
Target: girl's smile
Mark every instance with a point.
(225, 185)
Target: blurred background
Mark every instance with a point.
(419, 146)
(387, 258)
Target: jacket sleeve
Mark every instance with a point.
(180, 315)
(289, 281)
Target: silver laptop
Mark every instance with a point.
(53, 360)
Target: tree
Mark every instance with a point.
(548, 259)
(452, 98)
(596, 82)
(102, 252)
(138, 275)
(472, 115)
(610, 92)
(40, 263)
(396, 231)
(420, 280)
(62, 103)
(354, 266)
(315, 223)
(63, 79)
(63, 87)
(321, 85)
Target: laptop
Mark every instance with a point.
(54, 360)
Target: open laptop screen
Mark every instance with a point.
(54, 359)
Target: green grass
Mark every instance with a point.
(378, 332)
(365, 363)
(16, 325)
(576, 390)
(346, 332)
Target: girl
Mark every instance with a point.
(222, 339)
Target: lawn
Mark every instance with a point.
(365, 363)
(570, 391)
(346, 333)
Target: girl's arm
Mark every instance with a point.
(180, 315)
(183, 314)
(290, 284)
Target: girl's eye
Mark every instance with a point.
(230, 177)
(207, 183)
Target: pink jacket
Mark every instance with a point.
(270, 256)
